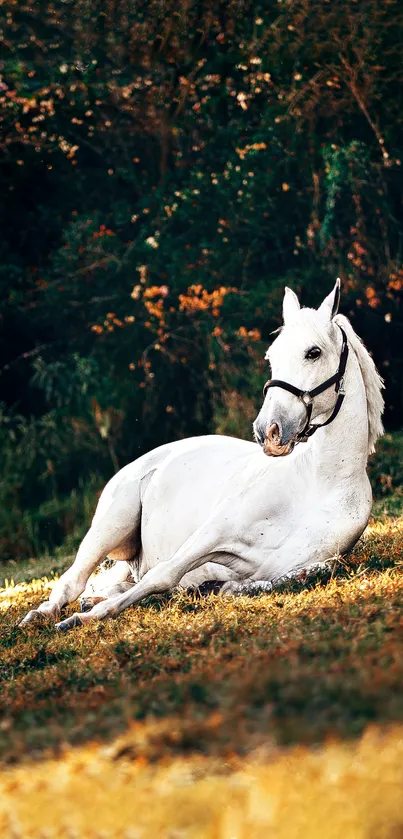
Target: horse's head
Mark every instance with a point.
(305, 355)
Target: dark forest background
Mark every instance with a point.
(166, 168)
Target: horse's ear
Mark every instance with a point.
(330, 306)
(291, 305)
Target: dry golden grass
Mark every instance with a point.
(212, 718)
(340, 791)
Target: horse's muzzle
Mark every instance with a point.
(272, 445)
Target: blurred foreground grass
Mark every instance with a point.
(341, 791)
(277, 716)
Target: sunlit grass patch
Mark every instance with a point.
(13, 592)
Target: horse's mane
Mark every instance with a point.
(372, 381)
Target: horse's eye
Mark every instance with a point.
(313, 353)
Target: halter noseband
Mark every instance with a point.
(307, 396)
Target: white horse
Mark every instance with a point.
(219, 508)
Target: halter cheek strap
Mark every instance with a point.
(307, 396)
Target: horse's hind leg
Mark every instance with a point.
(106, 534)
(116, 524)
(112, 579)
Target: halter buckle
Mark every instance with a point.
(341, 390)
(306, 398)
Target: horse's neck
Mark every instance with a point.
(340, 450)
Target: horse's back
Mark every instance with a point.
(129, 483)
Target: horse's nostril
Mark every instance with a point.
(274, 434)
(272, 444)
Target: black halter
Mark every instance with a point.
(308, 395)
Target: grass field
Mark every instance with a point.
(209, 717)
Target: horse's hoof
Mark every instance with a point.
(69, 623)
(230, 589)
(87, 603)
(34, 616)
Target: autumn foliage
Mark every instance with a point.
(165, 172)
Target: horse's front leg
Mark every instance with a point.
(309, 549)
(252, 588)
